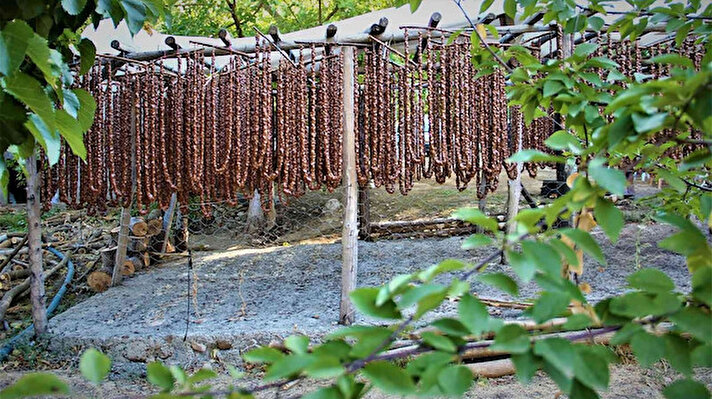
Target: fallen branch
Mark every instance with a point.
(16, 291)
(15, 251)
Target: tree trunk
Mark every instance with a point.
(255, 216)
(34, 241)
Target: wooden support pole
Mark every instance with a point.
(168, 221)
(515, 186)
(349, 235)
(34, 242)
(123, 239)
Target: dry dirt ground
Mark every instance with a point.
(243, 298)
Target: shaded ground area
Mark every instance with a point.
(248, 297)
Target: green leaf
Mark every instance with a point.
(455, 380)
(325, 367)
(473, 314)
(596, 23)
(28, 90)
(414, 4)
(510, 8)
(94, 365)
(49, 140)
(429, 303)
(590, 368)
(72, 133)
(702, 356)
(686, 389)
(511, 338)
(585, 242)
(73, 7)
(451, 326)
(677, 352)
(526, 365)
(160, 376)
(4, 177)
(324, 393)
(476, 217)
(694, 321)
(648, 123)
(534, 156)
(476, 241)
(288, 366)
(545, 257)
(562, 140)
(412, 296)
(35, 384)
(40, 53)
(558, 352)
(485, 5)
(552, 87)
(501, 281)
(585, 49)
(87, 107)
(702, 285)
(549, 305)
(13, 44)
(297, 344)
(263, 354)
(648, 348)
(202, 375)
(447, 265)
(672, 59)
(651, 280)
(389, 378)
(609, 217)
(612, 180)
(439, 342)
(87, 53)
(364, 299)
(135, 14)
(524, 266)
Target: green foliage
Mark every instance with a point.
(35, 384)
(206, 18)
(606, 123)
(94, 365)
(36, 41)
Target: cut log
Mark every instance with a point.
(99, 281)
(128, 269)
(136, 262)
(108, 257)
(138, 244)
(138, 227)
(154, 227)
(181, 234)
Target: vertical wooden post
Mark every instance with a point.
(349, 235)
(34, 242)
(364, 213)
(168, 221)
(515, 186)
(123, 239)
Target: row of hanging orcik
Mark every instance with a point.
(210, 135)
(631, 57)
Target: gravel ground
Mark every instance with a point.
(250, 297)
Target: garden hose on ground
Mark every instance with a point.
(26, 333)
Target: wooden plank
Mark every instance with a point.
(349, 235)
(168, 221)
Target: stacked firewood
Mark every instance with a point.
(145, 245)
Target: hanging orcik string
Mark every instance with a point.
(209, 133)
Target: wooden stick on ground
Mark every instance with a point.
(16, 291)
(5, 264)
